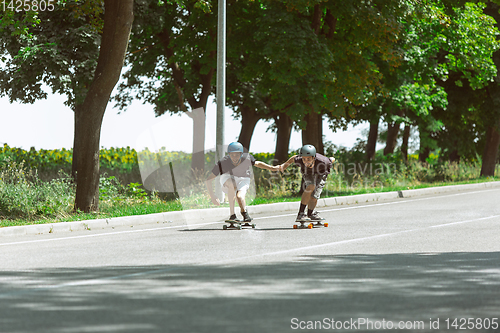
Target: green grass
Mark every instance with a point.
(260, 200)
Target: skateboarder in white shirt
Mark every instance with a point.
(315, 169)
(234, 171)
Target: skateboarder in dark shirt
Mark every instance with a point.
(234, 171)
(315, 169)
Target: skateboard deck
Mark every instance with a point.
(236, 224)
(310, 224)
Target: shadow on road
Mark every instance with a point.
(245, 297)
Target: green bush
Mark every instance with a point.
(23, 195)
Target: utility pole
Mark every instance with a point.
(221, 86)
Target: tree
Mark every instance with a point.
(281, 61)
(363, 38)
(448, 49)
(492, 140)
(467, 55)
(63, 52)
(173, 62)
(118, 18)
(60, 51)
(308, 59)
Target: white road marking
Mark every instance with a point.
(304, 248)
(106, 280)
(107, 234)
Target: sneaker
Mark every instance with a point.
(246, 217)
(315, 216)
(302, 217)
(232, 218)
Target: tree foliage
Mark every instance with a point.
(59, 50)
(425, 63)
(173, 48)
(448, 50)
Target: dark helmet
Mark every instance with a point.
(308, 150)
(235, 147)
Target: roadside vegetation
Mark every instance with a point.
(407, 66)
(36, 186)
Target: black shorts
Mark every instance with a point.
(318, 181)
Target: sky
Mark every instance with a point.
(49, 124)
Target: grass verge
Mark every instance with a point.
(126, 206)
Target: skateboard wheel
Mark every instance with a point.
(239, 227)
(295, 226)
(310, 226)
(325, 224)
(224, 227)
(253, 226)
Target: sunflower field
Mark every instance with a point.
(49, 163)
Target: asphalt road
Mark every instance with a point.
(403, 265)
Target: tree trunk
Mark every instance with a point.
(424, 153)
(372, 141)
(492, 132)
(199, 121)
(118, 18)
(404, 146)
(198, 156)
(392, 138)
(249, 119)
(313, 133)
(454, 156)
(316, 20)
(491, 150)
(74, 159)
(284, 124)
(424, 150)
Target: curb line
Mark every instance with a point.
(214, 214)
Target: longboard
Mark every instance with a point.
(310, 225)
(235, 224)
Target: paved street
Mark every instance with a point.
(412, 261)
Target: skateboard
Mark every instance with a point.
(236, 224)
(312, 224)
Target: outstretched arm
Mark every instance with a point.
(282, 167)
(208, 182)
(266, 166)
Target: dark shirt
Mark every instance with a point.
(322, 165)
(227, 166)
